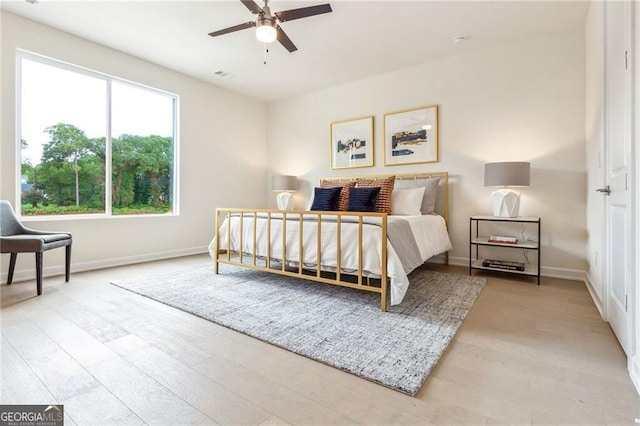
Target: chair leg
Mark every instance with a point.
(39, 272)
(12, 266)
(67, 263)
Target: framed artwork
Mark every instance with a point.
(411, 136)
(352, 143)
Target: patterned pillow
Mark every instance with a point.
(326, 199)
(383, 203)
(363, 199)
(344, 195)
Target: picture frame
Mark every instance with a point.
(352, 143)
(411, 136)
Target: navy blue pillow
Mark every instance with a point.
(326, 199)
(363, 199)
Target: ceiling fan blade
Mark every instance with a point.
(252, 6)
(285, 40)
(235, 28)
(303, 12)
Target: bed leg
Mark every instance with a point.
(383, 296)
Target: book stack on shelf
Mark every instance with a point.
(503, 264)
(503, 240)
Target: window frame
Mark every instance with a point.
(109, 79)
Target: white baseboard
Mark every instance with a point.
(634, 372)
(440, 259)
(458, 261)
(30, 274)
(546, 271)
(23, 275)
(563, 273)
(594, 296)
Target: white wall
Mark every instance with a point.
(518, 102)
(222, 140)
(594, 131)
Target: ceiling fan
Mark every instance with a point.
(267, 28)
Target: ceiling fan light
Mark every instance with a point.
(266, 31)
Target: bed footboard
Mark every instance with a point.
(291, 243)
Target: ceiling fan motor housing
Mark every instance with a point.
(266, 21)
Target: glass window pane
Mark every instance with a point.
(142, 150)
(63, 124)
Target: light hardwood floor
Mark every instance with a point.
(524, 355)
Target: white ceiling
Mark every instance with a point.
(358, 40)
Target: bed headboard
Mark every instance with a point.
(442, 199)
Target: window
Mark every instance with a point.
(93, 144)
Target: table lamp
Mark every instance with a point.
(285, 185)
(506, 201)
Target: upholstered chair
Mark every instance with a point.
(16, 238)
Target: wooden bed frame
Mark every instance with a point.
(358, 281)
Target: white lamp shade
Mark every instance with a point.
(284, 183)
(514, 173)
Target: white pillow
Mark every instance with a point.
(407, 202)
(430, 193)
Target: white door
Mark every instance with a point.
(618, 139)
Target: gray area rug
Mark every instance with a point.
(338, 326)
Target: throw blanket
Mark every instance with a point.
(403, 241)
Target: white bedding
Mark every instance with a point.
(429, 230)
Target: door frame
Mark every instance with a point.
(634, 359)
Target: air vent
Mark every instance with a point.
(223, 74)
(459, 39)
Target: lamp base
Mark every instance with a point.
(505, 203)
(284, 201)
